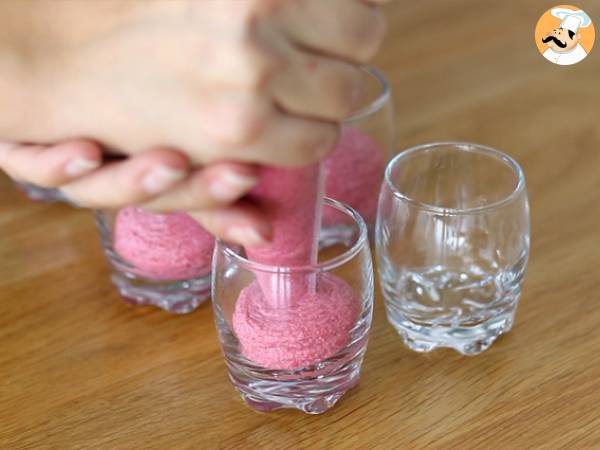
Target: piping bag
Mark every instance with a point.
(292, 199)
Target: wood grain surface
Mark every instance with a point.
(79, 369)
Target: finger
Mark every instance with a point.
(50, 166)
(241, 223)
(348, 29)
(134, 180)
(249, 128)
(319, 87)
(291, 141)
(209, 187)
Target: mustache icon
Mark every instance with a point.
(555, 40)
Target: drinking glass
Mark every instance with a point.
(40, 194)
(159, 275)
(295, 337)
(354, 170)
(452, 240)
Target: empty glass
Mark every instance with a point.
(295, 337)
(162, 260)
(452, 240)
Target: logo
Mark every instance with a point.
(565, 35)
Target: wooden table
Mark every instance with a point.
(80, 369)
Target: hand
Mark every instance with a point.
(263, 81)
(159, 180)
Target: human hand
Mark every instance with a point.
(159, 180)
(263, 81)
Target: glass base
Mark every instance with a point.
(469, 341)
(177, 297)
(313, 395)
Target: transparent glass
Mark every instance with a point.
(452, 241)
(295, 337)
(157, 283)
(41, 194)
(355, 168)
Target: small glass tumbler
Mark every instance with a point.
(452, 241)
(162, 260)
(295, 337)
(354, 170)
(41, 194)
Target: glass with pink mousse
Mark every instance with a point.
(295, 337)
(354, 170)
(162, 260)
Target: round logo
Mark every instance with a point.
(565, 35)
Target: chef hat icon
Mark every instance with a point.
(571, 20)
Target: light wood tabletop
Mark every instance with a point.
(80, 369)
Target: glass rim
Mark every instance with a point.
(461, 146)
(379, 102)
(319, 267)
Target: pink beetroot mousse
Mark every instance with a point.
(292, 199)
(163, 246)
(312, 328)
(292, 321)
(353, 174)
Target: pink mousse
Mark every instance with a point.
(163, 246)
(312, 328)
(292, 199)
(291, 321)
(353, 174)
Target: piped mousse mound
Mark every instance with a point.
(169, 246)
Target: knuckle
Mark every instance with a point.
(264, 8)
(370, 38)
(259, 67)
(47, 178)
(323, 137)
(257, 57)
(127, 189)
(346, 93)
(247, 125)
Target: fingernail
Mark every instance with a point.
(79, 166)
(161, 178)
(231, 185)
(246, 235)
